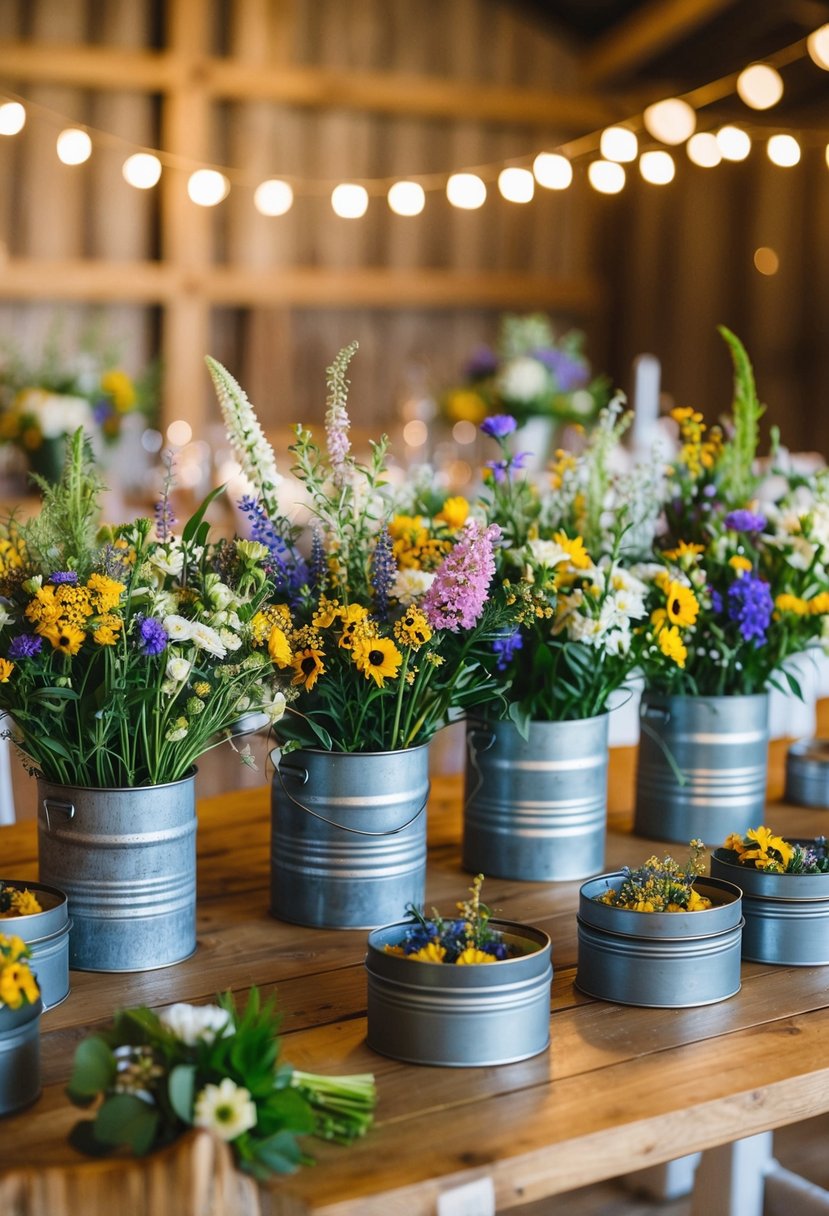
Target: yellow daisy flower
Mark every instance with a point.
(672, 646)
(308, 666)
(575, 550)
(472, 955)
(63, 636)
(279, 648)
(377, 658)
(681, 605)
(430, 953)
(454, 512)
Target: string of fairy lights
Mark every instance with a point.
(608, 154)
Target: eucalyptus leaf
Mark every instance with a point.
(180, 1090)
(126, 1119)
(93, 1070)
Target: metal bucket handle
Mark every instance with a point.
(472, 733)
(55, 804)
(662, 716)
(302, 774)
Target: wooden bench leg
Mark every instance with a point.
(730, 1179)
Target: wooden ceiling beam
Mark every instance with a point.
(650, 29)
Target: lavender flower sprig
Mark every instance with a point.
(337, 422)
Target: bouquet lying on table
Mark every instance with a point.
(214, 1067)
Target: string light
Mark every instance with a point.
(12, 118)
(783, 150)
(406, 198)
(671, 121)
(466, 190)
(618, 143)
(516, 185)
(207, 187)
(817, 44)
(273, 197)
(766, 260)
(658, 168)
(552, 171)
(733, 142)
(142, 170)
(606, 176)
(703, 150)
(760, 86)
(73, 146)
(349, 201)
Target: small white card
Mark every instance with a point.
(472, 1199)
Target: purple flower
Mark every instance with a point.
(102, 410)
(153, 636)
(458, 592)
(383, 571)
(505, 647)
(498, 426)
(716, 601)
(316, 564)
(570, 373)
(64, 576)
(25, 646)
(745, 521)
(501, 469)
(288, 569)
(750, 604)
(483, 362)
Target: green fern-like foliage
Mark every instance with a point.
(63, 534)
(737, 480)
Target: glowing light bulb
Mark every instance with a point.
(703, 150)
(658, 168)
(671, 121)
(606, 176)
(415, 433)
(552, 171)
(406, 198)
(74, 146)
(349, 201)
(207, 187)
(516, 185)
(273, 197)
(783, 150)
(142, 170)
(464, 432)
(466, 191)
(760, 86)
(12, 118)
(179, 433)
(766, 260)
(734, 143)
(618, 143)
(817, 44)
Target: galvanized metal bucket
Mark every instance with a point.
(672, 960)
(536, 808)
(702, 766)
(807, 773)
(46, 933)
(126, 859)
(459, 1017)
(19, 1056)
(348, 836)
(787, 915)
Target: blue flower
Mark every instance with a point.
(482, 363)
(498, 426)
(570, 373)
(745, 521)
(64, 577)
(25, 646)
(383, 571)
(505, 648)
(289, 570)
(750, 604)
(153, 636)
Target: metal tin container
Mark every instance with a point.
(670, 960)
(348, 836)
(702, 766)
(46, 933)
(807, 773)
(786, 915)
(126, 859)
(536, 808)
(459, 1016)
(19, 1056)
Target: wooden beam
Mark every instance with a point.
(310, 87)
(295, 287)
(654, 27)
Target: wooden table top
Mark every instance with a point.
(619, 1089)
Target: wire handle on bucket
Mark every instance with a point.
(474, 731)
(54, 804)
(662, 716)
(301, 774)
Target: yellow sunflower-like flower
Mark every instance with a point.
(16, 984)
(697, 902)
(819, 604)
(792, 604)
(684, 551)
(413, 629)
(6, 668)
(734, 843)
(377, 658)
(430, 953)
(454, 512)
(63, 636)
(279, 647)
(575, 550)
(766, 843)
(308, 667)
(351, 617)
(671, 645)
(473, 955)
(681, 605)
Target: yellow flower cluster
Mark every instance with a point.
(21, 903)
(17, 984)
(761, 848)
(415, 547)
(696, 452)
(63, 614)
(818, 605)
(680, 612)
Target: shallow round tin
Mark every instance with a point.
(46, 933)
(19, 1056)
(786, 915)
(659, 959)
(807, 773)
(459, 1017)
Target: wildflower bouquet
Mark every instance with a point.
(18, 985)
(737, 587)
(532, 372)
(126, 653)
(41, 405)
(215, 1067)
(566, 571)
(661, 885)
(381, 634)
(760, 849)
(463, 941)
